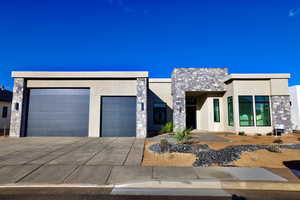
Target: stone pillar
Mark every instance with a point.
(281, 111)
(17, 107)
(141, 108)
(179, 113)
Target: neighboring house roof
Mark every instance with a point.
(5, 95)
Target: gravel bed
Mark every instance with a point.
(207, 157)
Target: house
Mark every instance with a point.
(99, 104)
(5, 106)
(295, 106)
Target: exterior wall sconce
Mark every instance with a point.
(141, 106)
(17, 106)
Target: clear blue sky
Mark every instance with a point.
(253, 36)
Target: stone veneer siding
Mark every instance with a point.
(193, 79)
(16, 115)
(141, 108)
(281, 111)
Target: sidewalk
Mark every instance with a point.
(145, 177)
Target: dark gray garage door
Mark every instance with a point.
(118, 117)
(58, 112)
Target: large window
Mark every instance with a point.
(4, 112)
(246, 110)
(230, 111)
(159, 113)
(216, 110)
(262, 109)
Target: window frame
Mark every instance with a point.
(230, 104)
(216, 104)
(160, 109)
(269, 106)
(4, 112)
(252, 109)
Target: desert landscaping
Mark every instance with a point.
(256, 151)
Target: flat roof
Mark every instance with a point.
(79, 74)
(256, 76)
(160, 80)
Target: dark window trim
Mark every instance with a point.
(269, 105)
(217, 101)
(4, 112)
(253, 121)
(230, 103)
(164, 109)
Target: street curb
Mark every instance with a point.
(213, 184)
(174, 184)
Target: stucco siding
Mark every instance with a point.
(279, 87)
(295, 106)
(159, 92)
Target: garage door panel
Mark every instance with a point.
(58, 112)
(118, 117)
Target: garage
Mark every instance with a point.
(118, 116)
(58, 112)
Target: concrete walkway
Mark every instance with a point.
(101, 161)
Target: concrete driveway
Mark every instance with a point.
(60, 160)
(101, 161)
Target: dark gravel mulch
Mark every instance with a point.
(207, 157)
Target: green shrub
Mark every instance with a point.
(258, 134)
(183, 135)
(242, 133)
(274, 148)
(269, 134)
(278, 141)
(167, 128)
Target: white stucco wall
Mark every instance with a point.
(294, 92)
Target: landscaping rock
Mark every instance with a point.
(207, 157)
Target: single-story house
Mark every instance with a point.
(5, 106)
(295, 106)
(104, 103)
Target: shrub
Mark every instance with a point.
(258, 134)
(242, 133)
(269, 134)
(274, 148)
(278, 141)
(167, 128)
(182, 136)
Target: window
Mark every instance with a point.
(4, 112)
(262, 109)
(230, 111)
(246, 110)
(216, 110)
(159, 113)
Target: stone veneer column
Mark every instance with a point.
(192, 80)
(16, 115)
(141, 108)
(281, 111)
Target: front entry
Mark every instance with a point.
(191, 117)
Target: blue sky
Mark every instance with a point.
(257, 36)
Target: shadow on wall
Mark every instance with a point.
(153, 129)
